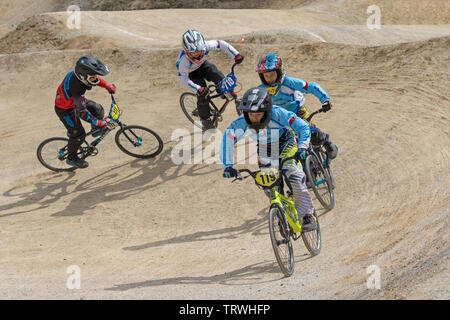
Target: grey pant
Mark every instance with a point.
(291, 169)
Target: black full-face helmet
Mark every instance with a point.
(87, 67)
(257, 100)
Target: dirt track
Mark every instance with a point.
(155, 230)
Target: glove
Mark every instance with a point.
(326, 106)
(301, 154)
(230, 172)
(112, 88)
(202, 91)
(238, 59)
(100, 123)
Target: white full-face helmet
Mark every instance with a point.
(194, 46)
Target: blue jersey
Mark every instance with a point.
(290, 94)
(281, 122)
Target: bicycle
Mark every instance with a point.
(134, 140)
(188, 100)
(318, 171)
(284, 223)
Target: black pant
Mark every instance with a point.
(209, 72)
(319, 137)
(75, 129)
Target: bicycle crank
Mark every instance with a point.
(89, 151)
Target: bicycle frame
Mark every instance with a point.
(277, 198)
(227, 85)
(288, 209)
(113, 121)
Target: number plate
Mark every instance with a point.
(267, 178)
(228, 83)
(115, 112)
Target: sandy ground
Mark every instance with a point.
(152, 229)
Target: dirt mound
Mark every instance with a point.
(14, 12)
(152, 29)
(118, 5)
(35, 34)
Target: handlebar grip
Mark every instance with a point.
(232, 67)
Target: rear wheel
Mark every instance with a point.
(313, 239)
(139, 142)
(281, 241)
(320, 181)
(52, 154)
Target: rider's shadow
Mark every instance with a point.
(249, 274)
(256, 226)
(252, 274)
(117, 184)
(43, 195)
(113, 184)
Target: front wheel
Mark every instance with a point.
(320, 181)
(313, 238)
(281, 240)
(188, 103)
(139, 142)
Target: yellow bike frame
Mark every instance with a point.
(270, 178)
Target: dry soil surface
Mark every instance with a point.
(154, 229)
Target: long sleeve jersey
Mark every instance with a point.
(280, 122)
(290, 95)
(185, 66)
(70, 94)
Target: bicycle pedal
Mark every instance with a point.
(94, 152)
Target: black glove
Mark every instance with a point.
(326, 106)
(230, 172)
(202, 91)
(238, 59)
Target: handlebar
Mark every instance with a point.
(112, 98)
(254, 173)
(250, 173)
(313, 114)
(232, 67)
(212, 87)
